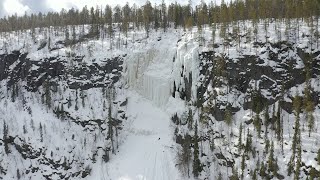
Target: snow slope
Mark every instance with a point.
(147, 152)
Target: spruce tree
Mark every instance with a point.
(262, 170)
(248, 147)
(257, 124)
(313, 173)
(69, 101)
(272, 162)
(196, 161)
(243, 165)
(82, 96)
(298, 164)
(297, 108)
(254, 175)
(110, 127)
(228, 116)
(5, 138)
(41, 132)
(220, 176)
(235, 175)
(278, 121)
(266, 120)
(47, 93)
(76, 105)
(318, 157)
(240, 137)
(164, 16)
(291, 165)
(190, 119)
(309, 108)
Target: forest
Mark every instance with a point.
(164, 15)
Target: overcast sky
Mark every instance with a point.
(9, 7)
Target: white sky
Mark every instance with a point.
(9, 7)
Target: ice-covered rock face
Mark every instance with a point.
(186, 67)
(150, 71)
(171, 61)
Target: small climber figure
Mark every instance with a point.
(159, 139)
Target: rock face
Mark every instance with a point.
(245, 101)
(15, 67)
(65, 90)
(272, 76)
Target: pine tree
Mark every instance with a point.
(220, 176)
(62, 111)
(296, 142)
(189, 23)
(235, 175)
(313, 173)
(257, 124)
(69, 101)
(297, 107)
(13, 93)
(67, 38)
(74, 35)
(309, 108)
(164, 16)
(254, 175)
(297, 104)
(184, 156)
(228, 116)
(243, 165)
(272, 162)
(298, 164)
(190, 119)
(147, 11)
(47, 92)
(18, 174)
(5, 138)
(41, 132)
(125, 19)
(82, 96)
(76, 105)
(278, 120)
(110, 130)
(290, 165)
(248, 147)
(318, 157)
(240, 137)
(49, 43)
(196, 161)
(262, 170)
(266, 120)
(267, 146)
(108, 20)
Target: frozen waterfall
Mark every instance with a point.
(152, 72)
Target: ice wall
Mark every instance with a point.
(151, 72)
(187, 61)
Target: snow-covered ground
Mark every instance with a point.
(148, 151)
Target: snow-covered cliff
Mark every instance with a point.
(133, 107)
